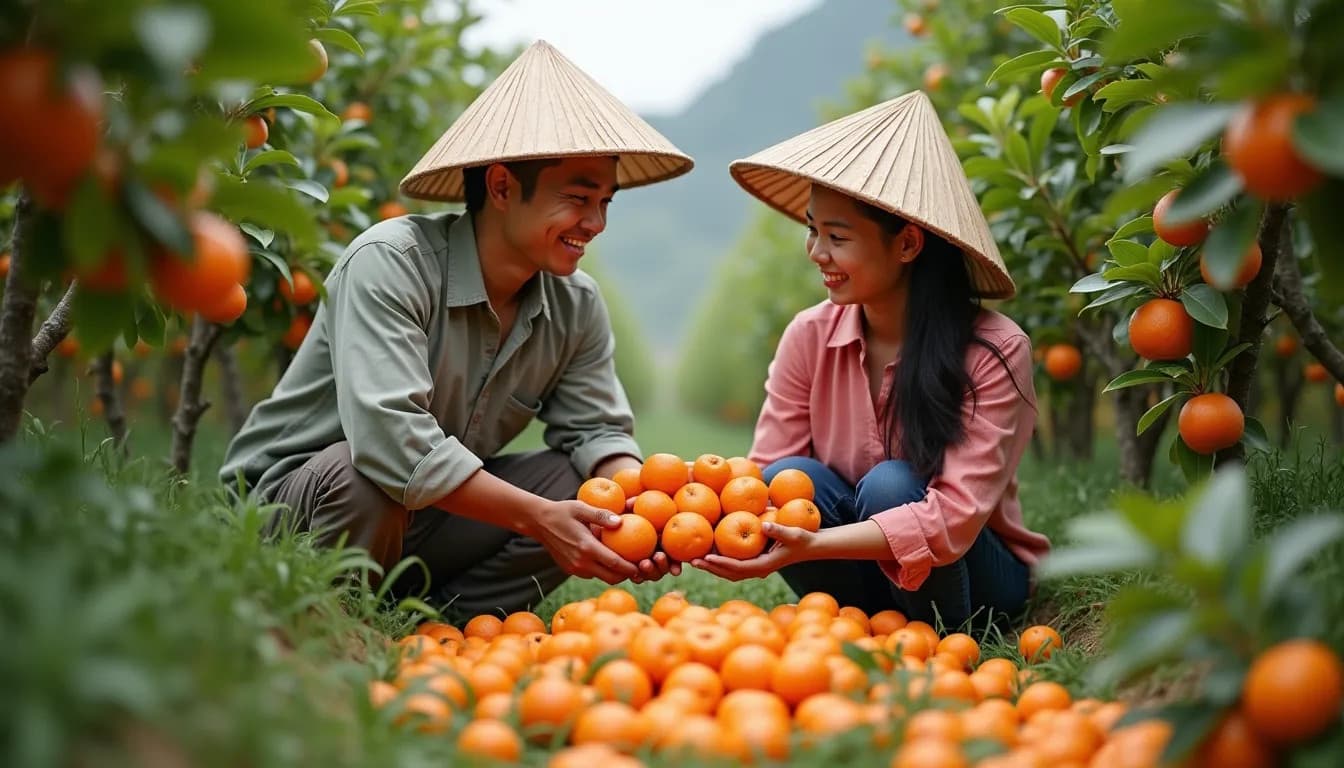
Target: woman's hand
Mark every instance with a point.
(791, 545)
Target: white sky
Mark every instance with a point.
(654, 55)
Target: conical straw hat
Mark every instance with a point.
(896, 156)
(543, 106)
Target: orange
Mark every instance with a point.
(490, 739)
(857, 615)
(1211, 422)
(847, 630)
(416, 646)
(1140, 744)
(613, 723)
(51, 130)
(572, 616)
(739, 535)
(658, 651)
(963, 646)
(628, 479)
(590, 755)
(1050, 81)
(1339, 394)
(1234, 744)
(358, 110)
(744, 467)
(989, 685)
(1258, 145)
(711, 470)
(934, 77)
(220, 262)
(302, 292)
(668, 605)
(1285, 346)
(449, 686)
(886, 622)
(737, 703)
(1063, 362)
(908, 642)
(694, 735)
(656, 507)
(227, 307)
(1315, 373)
(915, 25)
(108, 276)
(636, 539)
(664, 472)
(933, 724)
(617, 600)
(255, 131)
(567, 643)
(320, 61)
(745, 494)
(700, 679)
(1038, 643)
(930, 634)
(700, 499)
(929, 753)
(603, 493)
(1181, 234)
(1160, 329)
(1042, 696)
(1293, 691)
(381, 693)
(687, 536)
(391, 210)
(761, 733)
(749, 666)
(297, 331)
(1002, 667)
(428, 712)
(1250, 267)
(4, 265)
(790, 484)
(799, 513)
(522, 623)
(709, 644)
(439, 631)
(797, 676)
(494, 706)
(548, 703)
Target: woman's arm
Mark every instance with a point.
(863, 540)
(784, 425)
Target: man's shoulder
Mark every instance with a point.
(422, 232)
(576, 292)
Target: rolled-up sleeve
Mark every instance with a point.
(940, 528)
(783, 427)
(587, 414)
(379, 308)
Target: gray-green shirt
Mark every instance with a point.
(403, 361)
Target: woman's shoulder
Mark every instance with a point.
(998, 328)
(818, 321)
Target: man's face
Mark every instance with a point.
(567, 209)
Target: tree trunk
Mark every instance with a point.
(235, 404)
(1058, 422)
(110, 395)
(16, 327)
(1275, 239)
(190, 406)
(1137, 452)
(1336, 415)
(170, 385)
(1288, 383)
(1080, 433)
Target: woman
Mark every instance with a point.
(907, 404)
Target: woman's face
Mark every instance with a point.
(859, 263)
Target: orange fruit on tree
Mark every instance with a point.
(320, 61)
(1315, 373)
(297, 331)
(1160, 329)
(51, 133)
(1211, 422)
(745, 494)
(228, 307)
(712, 470)
(623, 680)
(1285, 346)
(739, 535)
(799, 513)
(749, 666)
(1258, 145)
(1038, 643)
(613, 723)
(744, 467)
(391, 210)
(934, 76)
(484, 626)
(108, 276)
(1184, 234)
(302, 291)
(658, 651)
(664, 472)
(700, 499)
(4, 265)
(522, 623)
(790, 484)
(1293, 691)
(1063, 362)
(628, 479)
(636, 539)
(687, 536)
(1250, 267)
(1234, 744)
(1050, 81)
(656, 507)
(548, 703)
(1339, 394)
(358, 110)
(490, 739)
(1042, 696)
(220, 262)
(255, 131)
(916, 25)
(603, 493)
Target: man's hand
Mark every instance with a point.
(791, 545)
(569, 529)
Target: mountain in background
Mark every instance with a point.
(663, 243)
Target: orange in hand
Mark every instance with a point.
(745, 494)
(687, 536)
(635, 540)
(744, 467)
(712, 470)
(739, 535)
(628, 479)
(664, 472)
(791, 484)
(603, 493)
(700, 499)
(799, 513)
(656, 507)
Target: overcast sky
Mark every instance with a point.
(654, 55)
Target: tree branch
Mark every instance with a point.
(53, 331)
(190, 406)
(1289, 295)
(16, 326)
(111, 398)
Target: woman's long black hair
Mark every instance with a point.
(923, 411)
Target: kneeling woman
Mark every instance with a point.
(907, 404)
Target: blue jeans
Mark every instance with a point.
(987, 583)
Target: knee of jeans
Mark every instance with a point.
(889, 484)
(810, 466)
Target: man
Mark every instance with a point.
(444, 335)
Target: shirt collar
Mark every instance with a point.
(848, 327)
(466, 284)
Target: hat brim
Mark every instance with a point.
(633, 169)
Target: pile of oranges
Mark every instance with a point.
(689, 509)
(608, 685)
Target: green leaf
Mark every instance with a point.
(983, 165)
(1026, 62)
(1176, 130)
(279, 263)
(357, 8)
(1320, 209)
(91, 224)
(257, 41)
(1161, 253)
(158, 219)
(264, 237)
(1093, 560)
(1018, 153)
(1191, 723)
(1219, 525)
(1145, 273)
(1208, 346)
(1091, 284)
(1207, 192)
(1194, 466)
(1291, 547)
(1150, 417)
(1229, 355)
(270, 157)
(1159, 521)
(1143, 225)
(1127, 253)
(101, 318)
(1117, 293)
(1041, 127)
(308, 187)
(1319, 135)
(1150, 642)
(339, 38)
(1135, 378)
(268, 206)
(1228, 243)
(1120, 94)
(1205, 305)
(1145, 27)
(1256, 437)
(349, 195)
(295, 101)
(1036, 24)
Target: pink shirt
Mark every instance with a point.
(818, 404)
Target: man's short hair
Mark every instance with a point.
(526, 171)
